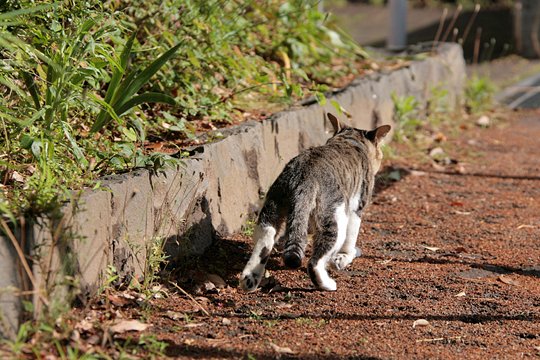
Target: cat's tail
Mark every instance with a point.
(297, 228)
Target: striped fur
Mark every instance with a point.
(326, 186)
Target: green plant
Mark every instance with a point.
(479, 94)
(122, 89)
(154, 262)
(406, 116)
(249, 227)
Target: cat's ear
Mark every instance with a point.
(335, 122)
(377, 134)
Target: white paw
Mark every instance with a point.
(358, 252)
(342, 260)
(249, 283)
(328, 285)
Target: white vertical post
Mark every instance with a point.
(397, 38)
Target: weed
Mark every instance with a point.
(249, 228)
(154, 262)
(304, 321)
(271, 323)
(256, 315)
(479, 94)
(406, 116)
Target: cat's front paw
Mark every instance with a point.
(342, 260)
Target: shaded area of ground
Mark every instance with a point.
(456, 248)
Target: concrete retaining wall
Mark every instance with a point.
(216, 191)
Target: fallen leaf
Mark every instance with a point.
(462, 212)
(84, 325)
(17, 177)
(431, 248)
(417, 173)
(284, 305)
(456, 203)
(384, 262)
(525, 226)
(507, 280)
(439, 137)
(461, 294)
(281, 350)
(420, 322)
(174, 315)
(436, 152)
(118, 300)
(128, 325)
(194, 325)
(460, 249)
(277, 288)
(216, 280)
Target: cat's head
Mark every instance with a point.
(373, 139)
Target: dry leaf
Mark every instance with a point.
(507, 280)
(84, 325)
(431, 248)
(461, 294)
(462, 212)
(174, 315)
(216, 280)
(193, 325)
(525, 226)
(128, 325)
(420, 322)
(284, 305)
(417, 173)
(117, 300)
(281, 350)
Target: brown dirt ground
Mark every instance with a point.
(479, 291)
(455, 245)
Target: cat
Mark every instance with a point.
(325, 188)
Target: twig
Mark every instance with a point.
(477, 45)
(469, 25)
(190, 297)
(439, 339)
(439, 30)
(22, 258)
(451, 26)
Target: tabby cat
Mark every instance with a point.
(325, 188)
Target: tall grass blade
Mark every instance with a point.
(149, 97)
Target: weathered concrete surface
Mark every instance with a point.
(217, 190)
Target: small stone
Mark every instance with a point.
(483, 121)
(226, 321)
(436, 153)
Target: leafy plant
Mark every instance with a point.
(479, 94)
(406, 116)
(122, 89)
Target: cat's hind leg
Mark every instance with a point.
(327, 242)
(264, 237)
(348, 251)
